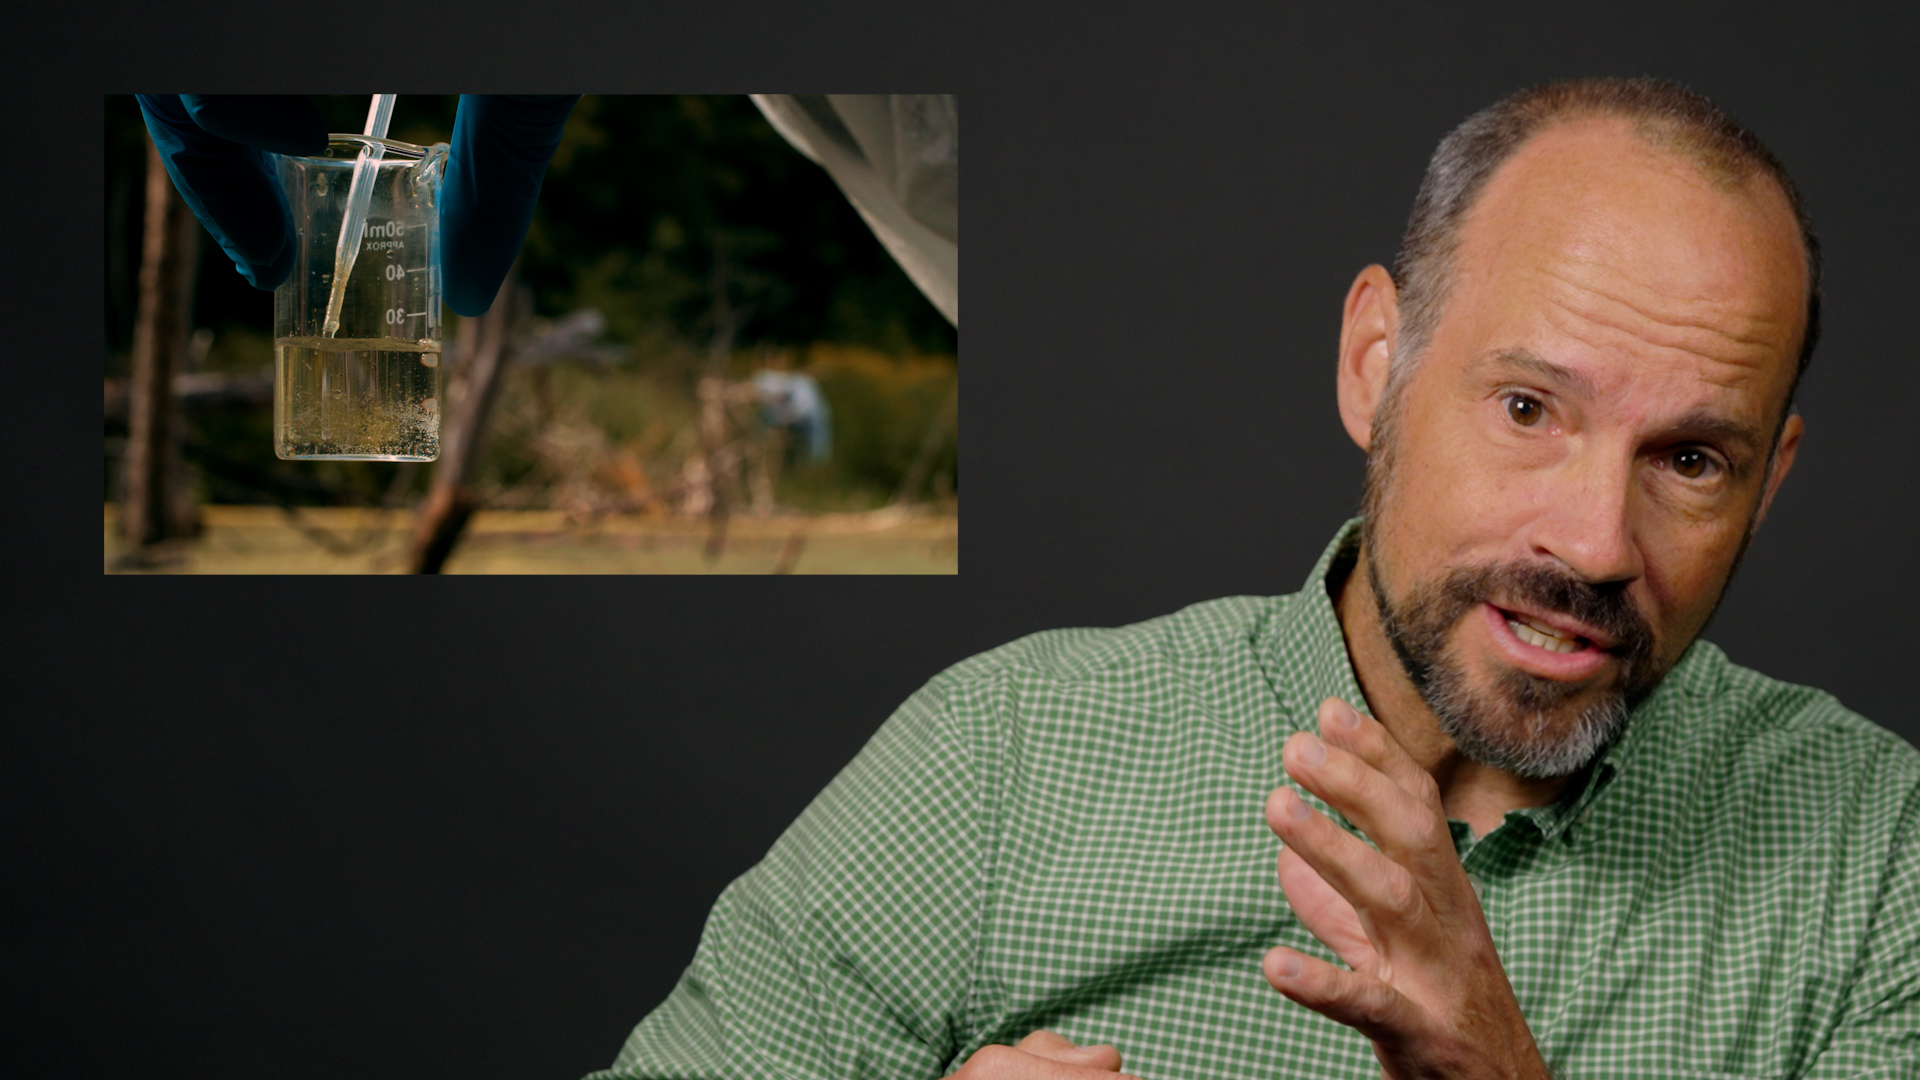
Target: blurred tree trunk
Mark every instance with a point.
(483, 347)
(156, 504)
(707, 483)
(710, 498)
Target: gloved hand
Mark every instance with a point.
(218, 150)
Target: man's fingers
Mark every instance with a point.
(1362, 1002)
(1054, 1047)
(1408, 822)
(1408, 830)
(1325, 913)
(1383, 892)
(1370, 741)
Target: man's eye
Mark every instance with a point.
(1692, 463)
(1524, 410)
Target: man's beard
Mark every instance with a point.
(1523, 724)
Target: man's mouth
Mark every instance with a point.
(1542, 635)
(1548, 646)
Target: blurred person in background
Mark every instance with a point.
(792, 402)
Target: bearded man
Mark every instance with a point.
(1530, 824)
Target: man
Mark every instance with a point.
(1530, 824)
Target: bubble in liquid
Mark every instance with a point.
(430, 404)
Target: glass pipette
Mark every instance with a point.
(359, 194)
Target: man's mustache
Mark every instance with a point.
(1606, 607)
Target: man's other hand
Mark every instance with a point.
(1425, 982)
(1042, 1056)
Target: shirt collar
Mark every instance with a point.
(1306, 649)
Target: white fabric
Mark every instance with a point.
(897, 158)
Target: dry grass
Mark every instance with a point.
(345, 540)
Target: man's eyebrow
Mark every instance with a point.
(1702, 426)
(1523, 361)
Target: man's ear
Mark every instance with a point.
(1790, 434)
(1367, 331)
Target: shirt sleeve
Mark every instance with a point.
(1878, 1035)
(848, 951)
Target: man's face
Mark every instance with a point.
(1560, 489)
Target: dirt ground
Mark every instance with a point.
(336, 540)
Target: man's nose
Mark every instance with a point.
(1587, 520)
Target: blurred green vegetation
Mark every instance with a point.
(663, 212)
(883, 407)
(567, 432)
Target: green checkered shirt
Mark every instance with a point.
(1067, 833)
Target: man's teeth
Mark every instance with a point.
(1542, 637)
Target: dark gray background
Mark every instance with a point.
(471, 827)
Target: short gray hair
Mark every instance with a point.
(1668, 115)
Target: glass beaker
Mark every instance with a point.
(371, 391)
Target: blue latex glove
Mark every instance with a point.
(218, 150)
(501, 144)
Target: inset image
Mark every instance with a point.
(532, 334)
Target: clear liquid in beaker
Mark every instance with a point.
(365, 399)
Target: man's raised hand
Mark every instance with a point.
(1425, 982)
